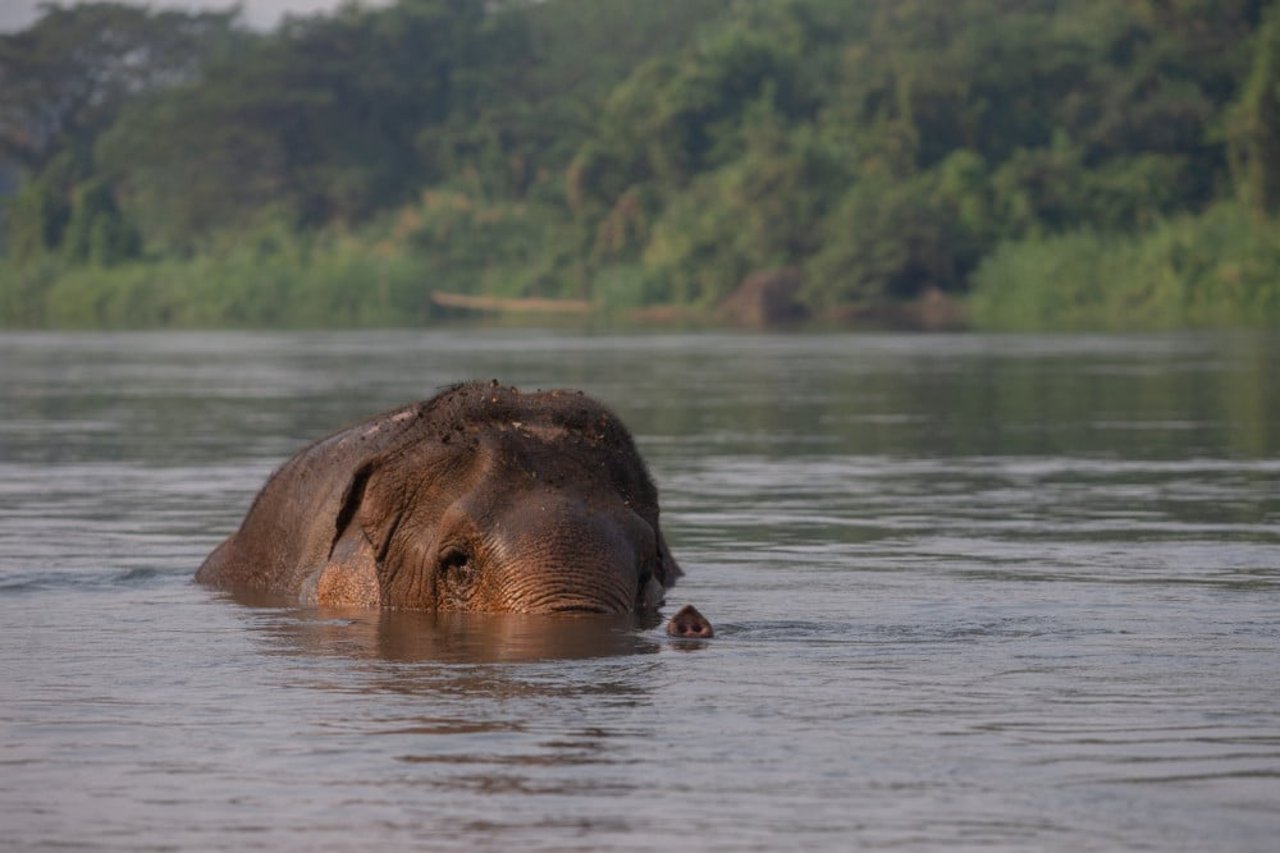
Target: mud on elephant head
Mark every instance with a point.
(480, 499)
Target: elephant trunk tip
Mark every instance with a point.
(689, 624)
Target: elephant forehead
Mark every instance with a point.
(519, 449)
(558, 527)
(518, 468)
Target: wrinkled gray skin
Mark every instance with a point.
(480, 499)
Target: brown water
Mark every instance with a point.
(970, 592)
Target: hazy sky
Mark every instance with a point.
(18, 14)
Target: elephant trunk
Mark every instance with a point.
(558, 556)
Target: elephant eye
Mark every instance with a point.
(455, 563)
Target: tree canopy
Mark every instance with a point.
(638, 152)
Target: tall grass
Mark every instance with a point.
(1221, 268)
(287, 283)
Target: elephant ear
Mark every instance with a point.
(369, 508)
(349, 506)
(365, 547)
(349, 576)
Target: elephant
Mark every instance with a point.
(480, 499)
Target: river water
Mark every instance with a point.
(970, 592)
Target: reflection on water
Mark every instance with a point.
(408, 636)
(986, 592)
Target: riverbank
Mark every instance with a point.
(1177, 277)
(1218, 269)
(1052, 166)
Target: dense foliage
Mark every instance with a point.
(1071, 162)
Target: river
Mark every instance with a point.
(970, 592)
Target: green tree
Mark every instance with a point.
(63, 80)
(37, 215)
(329, 120)
(890, 239)
(1254, 122)
(97, 233)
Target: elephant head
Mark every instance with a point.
(480, 499)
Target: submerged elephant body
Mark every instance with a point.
(480, 499)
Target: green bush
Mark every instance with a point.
(339, 282)
(1218, 269)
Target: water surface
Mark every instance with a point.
(970, 592)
